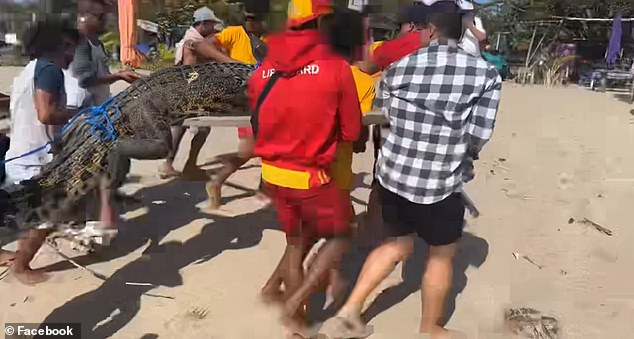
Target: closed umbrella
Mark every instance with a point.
(127, 29)
(614, 48)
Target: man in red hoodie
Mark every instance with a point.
(413, 21)
(310, 107)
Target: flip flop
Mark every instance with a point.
(339, 327)
(165, 173)
(101, 236)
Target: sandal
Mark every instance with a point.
(339, 327)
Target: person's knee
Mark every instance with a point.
(396, 249)
(443, 252)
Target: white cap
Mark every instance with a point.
(205, 14)
(464, 5)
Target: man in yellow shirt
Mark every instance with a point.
(342, 167)
(242, 43)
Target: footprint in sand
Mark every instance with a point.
(565, 181)
(193, 318)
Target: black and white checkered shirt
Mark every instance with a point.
(441, 104)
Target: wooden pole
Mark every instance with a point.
(530, 48)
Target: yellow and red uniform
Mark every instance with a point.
(309, 111)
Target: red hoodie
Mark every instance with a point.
(312, 107)
(395, 50)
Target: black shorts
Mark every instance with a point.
(438, 224)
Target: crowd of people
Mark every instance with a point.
(308, 96)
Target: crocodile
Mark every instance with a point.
(135, 124)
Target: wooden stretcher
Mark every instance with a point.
(375, 117)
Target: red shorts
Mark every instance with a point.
(244, 132)
(312, 214)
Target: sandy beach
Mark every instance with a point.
(558, 156)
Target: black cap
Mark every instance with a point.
(416, 14)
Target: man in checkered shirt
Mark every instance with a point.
(441, 104)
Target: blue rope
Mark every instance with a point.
(41, 148)
(99, 120)
(100, 123)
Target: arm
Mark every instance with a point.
(349, 110)
(366, 92)
(49, 82)
(86, 74)
(208, 50)
(368, 67)
(383, 94)
(482, 120)
(478, 33)
(49, 109)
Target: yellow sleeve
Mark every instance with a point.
(375, 45)
(227, 37)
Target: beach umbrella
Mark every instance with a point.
(127, 29)
(614, 47)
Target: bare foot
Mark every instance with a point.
(6, 257)
(346, 326)
(214, 193)
(295, 324)
(167, 171)
(438, 332)
(28, 276)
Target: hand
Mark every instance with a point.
(129, 76)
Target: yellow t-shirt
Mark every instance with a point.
(237, 43)
(342, 166)
(373, 47)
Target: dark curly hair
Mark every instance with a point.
(344, 31)
(47, 35)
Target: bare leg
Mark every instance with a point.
(6, 257)
(215, 186)
(379, 264)
(107, 211)
(167, 169)
(245, 153)
(28, 245)
(371, 229)
(272, 290)
(293, 275)
(191, 170)
(435, 286)
(328, 258)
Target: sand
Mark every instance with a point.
(556, 155)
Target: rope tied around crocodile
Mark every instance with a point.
(99, 120)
